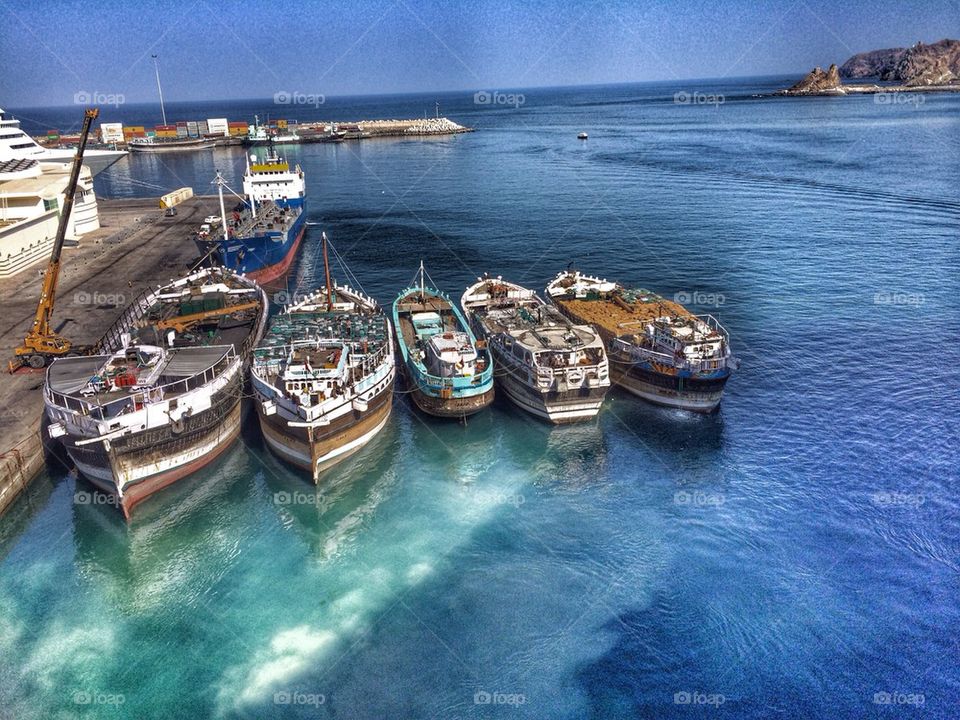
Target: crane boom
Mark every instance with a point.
(42, 343)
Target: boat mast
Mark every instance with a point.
(253, 203)
(326, 270)
(156, 69)
(223, 213)
(423, 284)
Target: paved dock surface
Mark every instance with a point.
(137, 247)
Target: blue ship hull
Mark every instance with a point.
(263, 257)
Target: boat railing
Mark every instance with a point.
(112, 339)
(709, 320)
(640, 353)
(439, 381)
(139, 397)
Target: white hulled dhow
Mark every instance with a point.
(160, 396)
(545, 364)
(658, 349)
(323, 378)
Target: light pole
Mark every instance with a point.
(159, 89)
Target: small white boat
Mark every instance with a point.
(582, 136)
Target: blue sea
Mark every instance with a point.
(793, 555)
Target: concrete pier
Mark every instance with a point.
(136, 247)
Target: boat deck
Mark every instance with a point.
(616, 315)
(102, 379)
(434, 304)
(270, 218)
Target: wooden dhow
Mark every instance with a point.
(546, 364)
(658, 349)
(160, 396)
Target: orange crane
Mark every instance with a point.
(42, 344)
(182, 323)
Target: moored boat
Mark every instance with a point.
(446, 373)
(160, 396)
(260, 237)
(546, 365)
(152, 145)
(323, 377)
(658, 349)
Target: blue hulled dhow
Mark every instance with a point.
(545, 364)
(658, 350)
(323, 377)
(261, 235)
(446, 372)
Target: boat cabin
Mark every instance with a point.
(315, 373)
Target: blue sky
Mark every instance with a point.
(221, 50)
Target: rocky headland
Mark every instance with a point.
(934, 67)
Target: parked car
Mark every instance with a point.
(170, 212)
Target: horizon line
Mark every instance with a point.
(439, 92)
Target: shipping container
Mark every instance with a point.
(176, 197)
(111, 132)
(218, 126)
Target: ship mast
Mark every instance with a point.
(253, 203)
(326, 270)
(156, 69)
(223, 213)
(423, 284)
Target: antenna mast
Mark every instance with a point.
(156, 69)
(326, 270)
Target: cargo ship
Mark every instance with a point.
(447, 374)
(159, 398)
(658, 350)
(261, 236)
(153, 145)
(545, 364)
(323, 377)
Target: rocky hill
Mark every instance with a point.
(920, 65)
(818, 82)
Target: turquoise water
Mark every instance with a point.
(794, 555)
